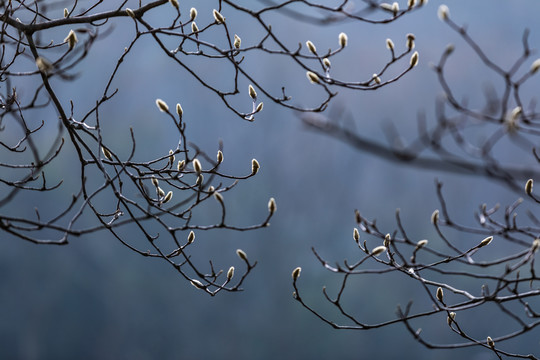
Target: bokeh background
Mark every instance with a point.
(96, 299)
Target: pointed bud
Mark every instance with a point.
(71, 39)
(535, 245)
(395, 8)
(162, 105)
(242, 255)
(197, 284)
(296, 273)
(107, 153)
(327, 63)
(450, 318)
(130, 13)
(66, 12)
(390, 44)
(435, 217)
(414, 59)
(486, 241)
(199, 180)
(343, 39)
(529, 187)
(356, 235)
(311, 47)
(175, 4)
(410, 41)
(218, 17)
(535, 66)
(490, 342)
(376, 78)
(252, 92)
(160, 192)
(259, 107)
(271, 206)
(230, 273)
(440, 294)
(197, 166)
(219, 157)
(421, 244)
(155, 181)
(378, 250)
(386, 241)
(313, 78)
(191, 237)
(194, 27)
(179, 110)
(255, 166)
(171, 157)
(192, 13)
(411, 3)
(443, 12)
(43, 65)
(237, 41)
(167, 197)
(218, 197)
(181, 165)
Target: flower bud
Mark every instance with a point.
(356, 235)
(443, 12)
(378, 250)
(181, 165)
(219, 157)
(529, 187)
(486, 241)
(197, 284)
(327, 63)
(440, 294)
(130, 13)
(218, 17)
(535, 66)
(174, 3)
(259, 107)
(252, 92)
(197, 166)
(395, 8)
(421, 244)
(171, 157)
(199, 180)
(376, 78)
(179, 110)
(311, 47)
(490, 342)
(386, 241)
(242, 255)
(237, 41)
(107, 153)
(435, 217)
(255, 166)
(272, 206)
(218, 197)
(192, 13)
(343, 39)
(43, 65)
(66, 12)
(410, 41)
(450, 318)
(155, 181)
(167, 197)
(230, 273)
(535, 245)
(390, 44)
(296, 273)
(71, 39)
(414, 59)
(191, 237)
(160, 192)
(313, 78)
(162, 105)
(411, 3)
(194, 27)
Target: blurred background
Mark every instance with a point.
(96, 299)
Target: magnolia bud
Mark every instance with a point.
(395, 8)
(421, 244)
(218, 197)
(192, 13)
(311, 47)
(107, 153)
(327, 63)
(230, 273)
(43, 65)
(219, 157)
(242, 255)
(181, 165)
(386, 241)
(443, 12)
(171, 157)
(535, 245)
(296, 273)
(254, 166)
(130, 13)
(160, 192)
(194, 27)
(259, 107)
(66, 12)
(410, 41)
(167, 197)
(414, 59)
(271, 206)
(179, 110)
(218, 17)
(486, 241)
(197, 284)
(71, 39)
(191, 237)
(237, 41)
(440, 294)
(490, 342)
(535, 66)
(343, 39)
(376, 78)
(197, 166)
(378, 250)
(174, 3)
(155, 181)
(529, 186)
(199, 180)
(451, 318)
(356, 235)
(313, 78)
(162, 105)
(252, 92)
(411, 3)
(435, 217)
(390, 44)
